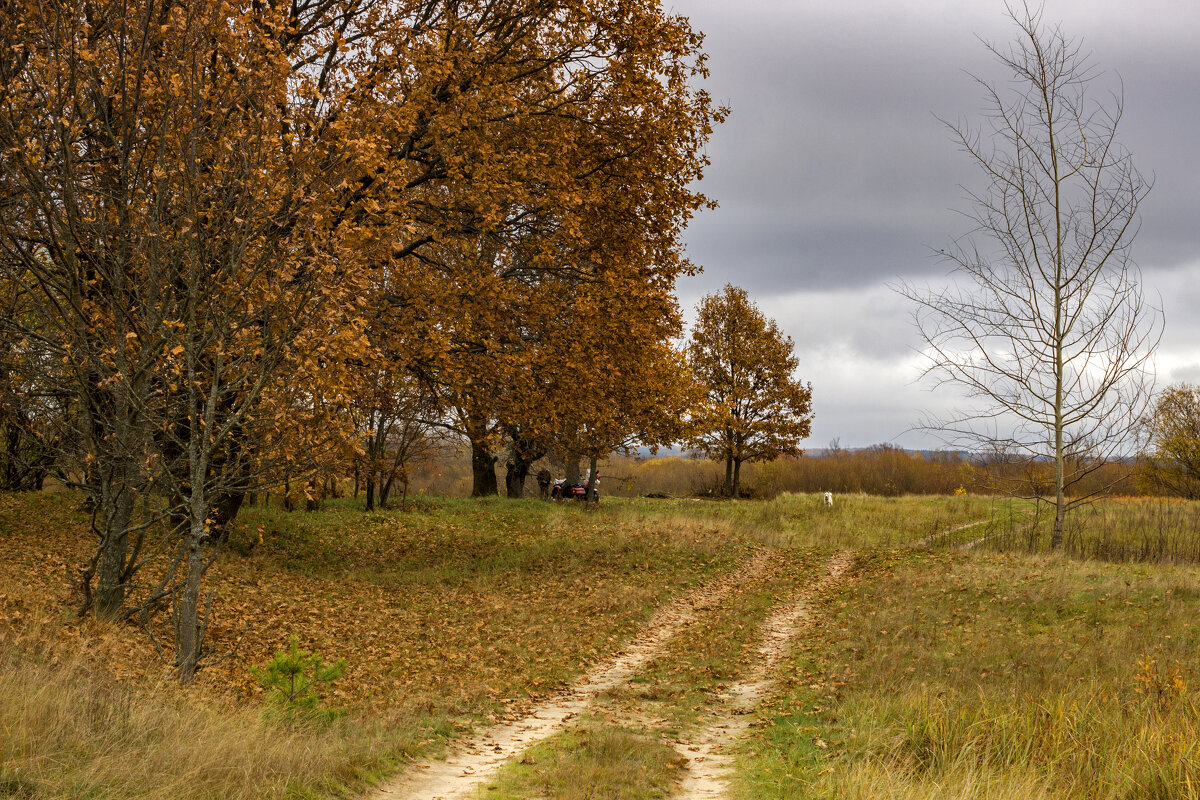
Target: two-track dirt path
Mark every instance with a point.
(476, 760)
(933, 537)
(709, 763)
(706, 750)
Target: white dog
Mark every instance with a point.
(828, 501)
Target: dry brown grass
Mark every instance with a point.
(1147, 529)
(72, 732)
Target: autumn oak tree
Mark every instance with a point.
(754, 408)
(208, 204)
(621, 385)
(589, 181)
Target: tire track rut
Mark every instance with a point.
(710, 765)
(930, 539)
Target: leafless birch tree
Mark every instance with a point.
(1045, 323)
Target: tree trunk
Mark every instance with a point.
(737, 478)
(514, 478)
(1060, 506)
(572, 469)
(225, 511)
(591, 495)
(116, 510)
(189, 628)
(385, 490)
(483, 471)
(9, 472)
(371, 491)
(188, 637)
(1060, 499)
(313, 498)
(729, 474)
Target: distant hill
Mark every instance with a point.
(824, 452)
(965, 455)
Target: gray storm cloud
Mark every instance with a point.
(835, 175)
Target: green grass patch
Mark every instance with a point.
(592, 761)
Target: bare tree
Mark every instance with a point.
(1044, 323)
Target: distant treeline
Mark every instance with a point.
(879, 470)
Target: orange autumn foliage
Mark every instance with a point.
(216, 203)
(755, 408)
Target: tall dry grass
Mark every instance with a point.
(1119, 529)
(70, 732)
(1081, 737)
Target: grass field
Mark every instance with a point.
(854, 521)
(993, 676)
(998, 674)
(932, 671)
(448, 615)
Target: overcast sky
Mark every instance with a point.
(835, 177)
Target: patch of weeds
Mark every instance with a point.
(17, 788)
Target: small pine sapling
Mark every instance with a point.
(293, 679)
